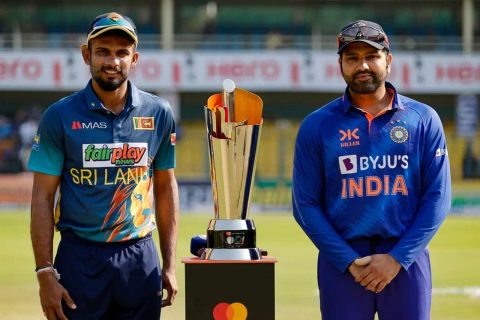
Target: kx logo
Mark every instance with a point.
(77, 125)
(349, 138)
(349, 135)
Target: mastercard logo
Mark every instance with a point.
(226, 311)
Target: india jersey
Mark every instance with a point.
(359, 177)
(105, 162)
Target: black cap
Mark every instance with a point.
(112, 21)
(363, 31)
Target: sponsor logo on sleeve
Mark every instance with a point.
(441, 152)
(36, 142)
(114, 154)
(143, 123)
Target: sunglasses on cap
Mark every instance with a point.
(370, 35)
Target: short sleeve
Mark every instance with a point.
(47, 154)
(165, 157)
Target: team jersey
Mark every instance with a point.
(105, 162)
(358, 177)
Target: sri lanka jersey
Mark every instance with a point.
(105, 162)
(358, 177)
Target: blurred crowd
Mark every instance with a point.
(212, 25)
(16, 136)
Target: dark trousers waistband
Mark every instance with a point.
(373, 245)
(72, 237)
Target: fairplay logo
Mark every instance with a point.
(114, 154)
(226, 311)
(348, 164)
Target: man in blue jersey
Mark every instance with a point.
(371, 186)
(109, 149)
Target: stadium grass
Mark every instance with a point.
(455, 263)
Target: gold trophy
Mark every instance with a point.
(234, 122)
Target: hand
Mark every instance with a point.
(382, 269)
(356, 270)
(363, 261)
(169, 283)
(51, 294)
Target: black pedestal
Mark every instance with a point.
(214, 289)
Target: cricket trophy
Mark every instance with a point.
(234, 121)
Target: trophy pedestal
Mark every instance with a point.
(232, 254)
(211, 286)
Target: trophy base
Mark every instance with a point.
(231, 239)
(247, 254)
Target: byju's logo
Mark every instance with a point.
(353, 164)
(348, 164)
(77, 125)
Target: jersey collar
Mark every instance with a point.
(346, 103)
(94, 103)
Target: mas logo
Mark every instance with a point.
(226, 311)
(143, 123)
(114, 154)
(77, 125)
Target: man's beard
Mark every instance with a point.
(108, 85)
(365, 87)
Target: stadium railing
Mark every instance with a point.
(235, 42)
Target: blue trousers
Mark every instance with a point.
(407, 297)
(110, 280)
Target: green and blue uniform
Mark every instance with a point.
(105, 162)
(105, 201)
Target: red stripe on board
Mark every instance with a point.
(176, 73)
(57, 73)
(295, 73)
(406, 75)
